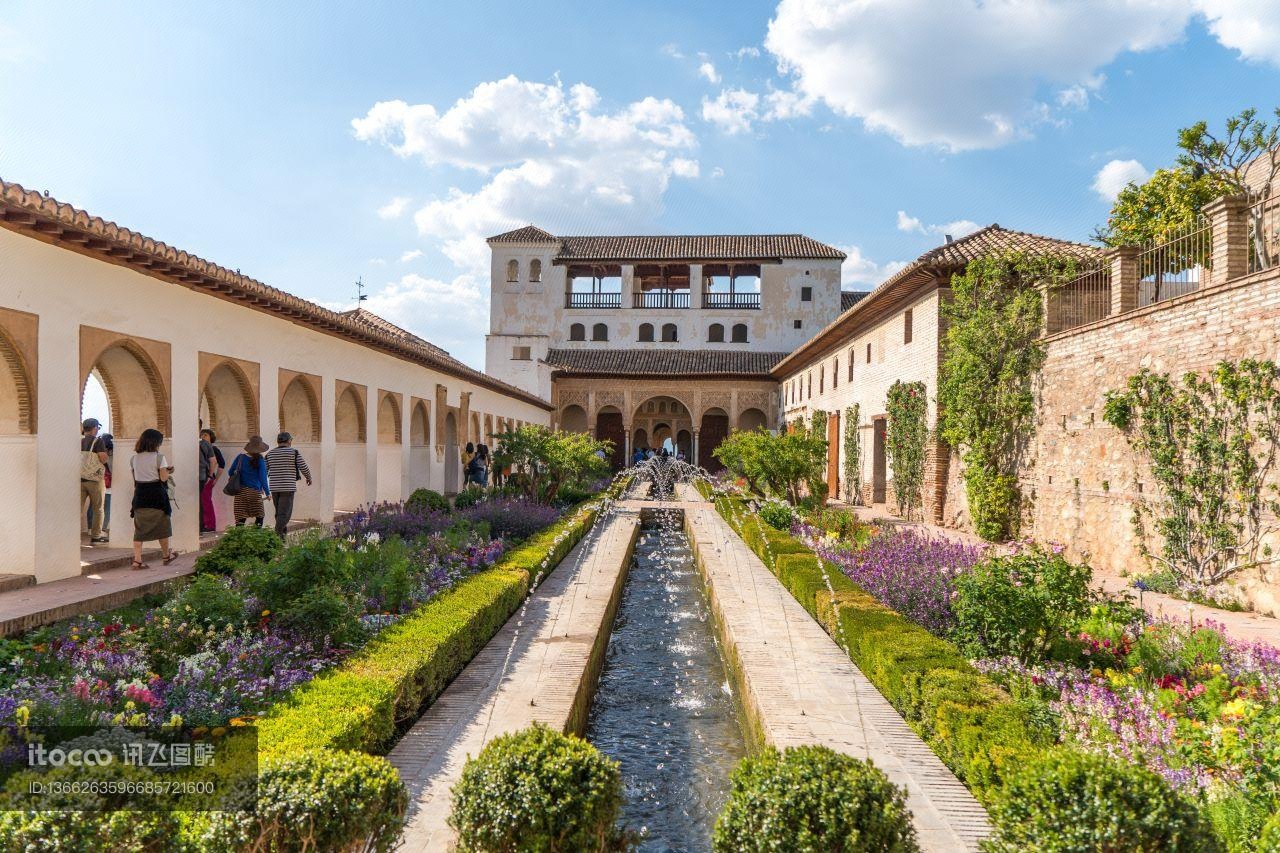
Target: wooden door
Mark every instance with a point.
(715, 429)
(833, 455)
(879, 465)
(609, 428)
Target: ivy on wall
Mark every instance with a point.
(852, 473)
(906, 436)
(991, 356)
(1211, 443)
(818, 431)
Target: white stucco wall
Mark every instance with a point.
(39, 531)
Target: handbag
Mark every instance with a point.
(233, 479)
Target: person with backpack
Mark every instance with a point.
(285, 467)
(478, 470)
(248, 482)
(93, 473)
(152, 510)
(209, 468)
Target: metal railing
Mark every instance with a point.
(661, 299)
(593, 300)
(730, 300)
(1082, 300)
(1176, 265)
(1262, 223)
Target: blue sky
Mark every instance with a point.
(308, 146)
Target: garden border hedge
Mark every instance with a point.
(970, 722)
(359, 704)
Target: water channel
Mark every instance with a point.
(664, 707)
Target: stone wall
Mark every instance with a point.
(1083, 478)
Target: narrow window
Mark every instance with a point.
(646, 333)
(513, 270)
(822, 378)
(715, 334)
(850, 377)
(520, 354)
(835, 372)
(739, 333)
(906, 326)
(795, 324)
(669, 333)
(868, 353)
(535, 270)
(806, 294)
(599, 332)
(577, 332)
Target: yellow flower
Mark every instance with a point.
(1095, 672)
(266, 613)
(219, 731)
(1136, 670)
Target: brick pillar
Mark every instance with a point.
(1124, 278)
(1230, 258)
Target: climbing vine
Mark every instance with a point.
(991, 355)
(1211, 443)
(906, 435)
(818, 431)
(852, 473)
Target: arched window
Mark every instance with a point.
(535, 270)
(668, 333)
(513, 270)
(577, 332)
(715, 334)
(646, 333)
(599, 332)
(739, 333)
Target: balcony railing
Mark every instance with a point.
(730, 300)
(593, 300)
(662, 299)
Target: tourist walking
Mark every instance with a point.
(480, 466)
(93, 472)
(209, 468)
(151, 510)
(247, 480)
(285, 467)
(468, 454)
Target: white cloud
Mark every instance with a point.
(957, 228)
(717, 172)
(377, 262)
(1116, 175)
(859, 269)
(749, 52)
(411, 255)
(979, 74)
(672, 50)
(394, 208)
(453, 314)
(708, 70)
(738, 110)
(542, 153)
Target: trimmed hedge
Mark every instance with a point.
(972, 725)
(359, 704)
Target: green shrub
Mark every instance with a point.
(209, 600)
(538, 790)
(811, 798)
(777, 514)
(1269, 840)
(1068, 801)
(322, 612)
(315, 800)
(994, 502)
(386, 572)
(1021, 605)
(314, 561)
(429, 500)
(239, 550)
(1240, 822)
(470, 496)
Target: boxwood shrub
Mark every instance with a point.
(240, 549)
(428, 499)
(973, 726)
(538, 790)
(1068, 800)
(812, 799)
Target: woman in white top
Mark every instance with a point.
(151, 510)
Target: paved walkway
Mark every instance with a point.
(540, 667)
(801, 688)
(1249, 627)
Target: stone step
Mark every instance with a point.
(12, 582)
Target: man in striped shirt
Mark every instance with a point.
(285, 467)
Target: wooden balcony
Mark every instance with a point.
(593, 300)
(662, 299)
(731, 300)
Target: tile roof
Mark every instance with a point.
(527, 234)
(688, 247)
(672, 363)
(47, 219)
(850, 298)
(362, 315)
(934, 268)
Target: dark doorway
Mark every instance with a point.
(609, 428)
(879, 467)
(715, 428)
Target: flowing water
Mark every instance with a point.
(664, 708)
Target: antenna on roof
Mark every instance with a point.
(361, 296)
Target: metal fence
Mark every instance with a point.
(1084, 299)
(1262, 219)
(1176, 265)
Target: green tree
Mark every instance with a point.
(548, 459)
(777, 465)
(991, 354)
(906, 437)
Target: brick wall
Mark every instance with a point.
(1083, 478)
